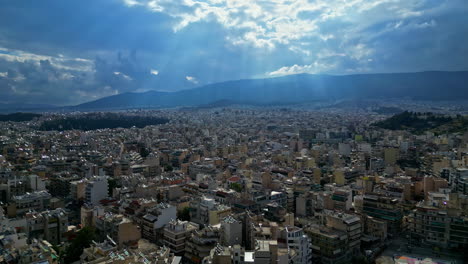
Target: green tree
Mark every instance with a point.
(168, 167)
(83, 239)
(236, 187)
(59, 249)
(184, 214)
(359, 260)
(144, 152)
(111, 184)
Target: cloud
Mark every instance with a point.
(59, 61)
(124, 76)
(268, 24)
(313, 68)
(28, 77)
(191, 79)
(75, 57)
(132, 2)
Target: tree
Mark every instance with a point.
(144, 152)
(359, 260)
(184, 214)
(83, 239)
(168, 167)
(111, 184)
(59, 249)
(236, 187)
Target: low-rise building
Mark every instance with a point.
(35, 201)
(121, 229)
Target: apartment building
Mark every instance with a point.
(176, 234)
(206, 211)
(48, 225)
(96, 190)
(119, 228)
(35, 201)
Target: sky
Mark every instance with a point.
(68, 52)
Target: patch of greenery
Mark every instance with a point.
(100, 121)
(419, 123)
(168, 167)
(83, 239)
(19, 117)
(236, 187)
(184, 214)
(111, 185)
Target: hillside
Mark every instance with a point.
(95, 121)
(299, 89)
(421, 122)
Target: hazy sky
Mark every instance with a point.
(67, 52)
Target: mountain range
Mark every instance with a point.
(300, 88)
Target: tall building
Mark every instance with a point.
(348, 223)
(293, 238)
(342, 199)
(96, 190)
(176, 233)
(48, 225)
(231, 231)
(200, 243)
(337, 239)
(384, 208)
(329, 246)
(443, 224)
(461, 180)
(153, 222)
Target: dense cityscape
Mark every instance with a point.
(233, 185)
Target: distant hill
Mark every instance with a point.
(18, 117)
(299, 88)
(421, 122)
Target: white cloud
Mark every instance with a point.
(126, 77)
(59, 62)
(154, 72)
(299, 50)
(132, 2)
(191, 79)
(313, 68)
(427, 24)
(270, 24)
(359, 52)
